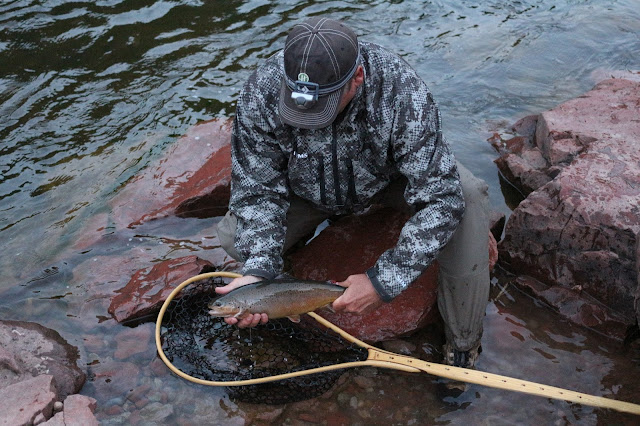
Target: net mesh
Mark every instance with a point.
(207, 348)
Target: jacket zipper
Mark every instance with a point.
(323, 189)
(352, 184)
(336, 172)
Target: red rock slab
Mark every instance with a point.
(78, 410)
(21, 403)
(192, 179)
(577, 306)
(147, 290)
(549, 142)
(579, 231)
(352, 245)
(581, 228)
(609, 110)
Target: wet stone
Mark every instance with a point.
(343, 398)
(138, 393)
(353, 402)
(364, 382)
(181, 183)
(132, 341)
(330, 256)
(150, 287)
(114, 410)
(399, 346)
(113, 379)
(158, 368)
(579, 225)
(269, 415)
(309, 418)
(29, 349)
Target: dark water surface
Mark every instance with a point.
(92, 92)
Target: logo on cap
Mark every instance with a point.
(303, 77)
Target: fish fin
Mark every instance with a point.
(329, 306)
(294, 318)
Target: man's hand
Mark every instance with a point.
(360, 296)
(249, 320)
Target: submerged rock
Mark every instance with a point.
(147, 290)
(577, 306)
(579, 164)
(354, 243)
(111, 379)
(134, 341)
(192, 179)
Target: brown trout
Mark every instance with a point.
(276, 298)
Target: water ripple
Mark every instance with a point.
(92, 92)
(84, 84)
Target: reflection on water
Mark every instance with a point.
(92, 92)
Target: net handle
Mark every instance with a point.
(392, 360)
(383, 359)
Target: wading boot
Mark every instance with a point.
(464, 359)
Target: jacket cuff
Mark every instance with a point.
(372, 273)
(259, 273)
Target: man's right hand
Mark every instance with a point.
(249, 320)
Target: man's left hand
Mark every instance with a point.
(360, 296)
(249, 320)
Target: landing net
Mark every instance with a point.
(207, 348)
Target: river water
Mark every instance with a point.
(93, 92)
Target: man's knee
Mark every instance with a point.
(474, 189)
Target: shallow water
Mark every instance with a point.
(92, 92)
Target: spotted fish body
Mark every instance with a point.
(276, 298)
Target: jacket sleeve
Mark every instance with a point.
(422, 155)
(259, 194)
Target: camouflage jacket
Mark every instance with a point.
(390, 128)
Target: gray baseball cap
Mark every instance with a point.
(320, 56)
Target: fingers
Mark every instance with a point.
(346, 304)
(231, 320)
(238, 282)
(248, 321)
(339, 304)
(360, 296)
